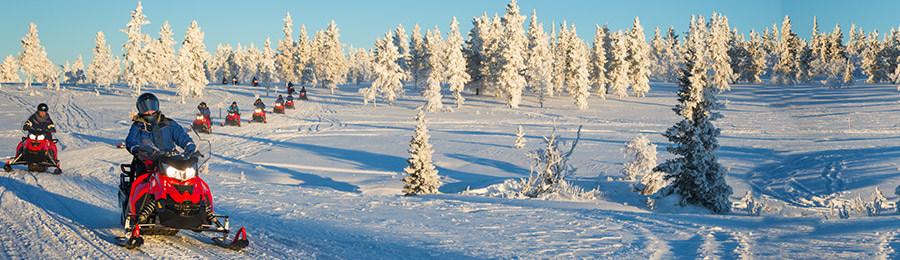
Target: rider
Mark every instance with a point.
(204, 110)
(290, 87)
(280, 100)
(290, 98)
(259, 104)
(40, 122)
(234, 108)
(152, 135)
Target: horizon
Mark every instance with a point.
(67, 29)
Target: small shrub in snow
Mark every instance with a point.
(879, 203)
(653, 182)
(641, 155)
(520, 138)
(552, 165)
(754, 207)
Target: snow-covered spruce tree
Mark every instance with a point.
(475, 54)
(493, 44)
(551, 166)
(619, 80)
(511, 62)
(161, 58)
(456, 63)
(671, 56)
(33, 60)
(786, 68)
(401, 41)
(753, 64)
(305, 54)
(641, 157)
(9, 70)
(285, 61)
(577, 74)
(434, 58)
(422, 176)
(598, 63)
(719, 36)
(268, 72)
(191, 57)
(540, 60)
(695, 172)
(331, 63)
(657, 46)
(638, 56)
(360, 65)
(75, 74)
(560, 46)
(416, 62)
(250, 58)
(219, 65)
(388, 74)
(520, 138)
(136, 60)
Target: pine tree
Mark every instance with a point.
(657, 47)
(401, 41)
(475, 54)
(561, 49)
(267, 70)
(285, 60)
(422, 176)
(697, 175)
(219, 65)
(331, 64)
(786, 68)
(577, 72)
(638, 55)
(388, 74)
(456, 63)
(540, 60)
(361, 65)
(719, 36)
(434, 58)
(598, 63)
(511, 60)
(417, 63)
(670, 56)
(520, 138)
(161, 58)
(191, 58)
(305, 54)
(136, 60)
(493, 44)
(9, 70)
(619, 80)
(33, 60)
(753, 64)
(75, 74)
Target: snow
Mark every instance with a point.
(324, 181)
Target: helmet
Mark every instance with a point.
(279, 96)
(234, 102)
(203, 104)
(147, 102)
(42, 107)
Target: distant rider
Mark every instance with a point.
(204, 110)
(153, 135)
(280, 100)
(40, 122)
(234, 108)
(290, 98)
(259, 104)
(290, 88)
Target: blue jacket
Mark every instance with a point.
(141, 136)
(204, 111)
(279, 100)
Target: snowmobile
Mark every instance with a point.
(259, 115)
(36, 151)
(255, 83)
(232, 119)
(202, 124)
(168, 198)
(278, 108)
(302, 95)
(289, 104)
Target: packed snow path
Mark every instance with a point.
(323, 180)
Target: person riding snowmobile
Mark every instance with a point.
(279, 100)
(290, 88)
(204, 110)
(259, 104)
(234, 108)
(290, 98)
(40, 122)
(152, 134)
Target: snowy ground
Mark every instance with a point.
(323, 181)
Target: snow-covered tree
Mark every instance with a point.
(192, 56)
(422, 176)
(388, 74)
(669, 56)
(161, 58)
(305, 55)
(619, 80)
(401, 40)
(551, 166)
(331, 63)
(75, 74)
(520, 138)
(219, 65)
(475, 53)
(786, 68)
(417, 64)
(511, 60)
(268, 72)
(753, 62)
(638, 56)
(718, 39)
(456, 63)
(641, 157)
(577, 71)
(33, 60)
(285, 60)
(435, 60)
(696, 173)
(598, 63)
(360, 65)
(134, 51)
(9, 70)
(490, 69)
(540, 60)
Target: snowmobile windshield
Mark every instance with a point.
(148, 105)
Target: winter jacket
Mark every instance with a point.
(162, 136)
(279, 100)
(234, 109)
(38, 123)
(290, 98)
(260, 104)
(203, 110)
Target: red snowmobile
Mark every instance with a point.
(36, 151)
(202, 124)
(302, 94)
(278, 108)
(259, 115)
(255, 83)
(289, 104)
(168, 198)
(233, 118)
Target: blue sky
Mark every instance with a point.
(68, 28)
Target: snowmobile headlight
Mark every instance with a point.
(32, 137)
(40, 137)
(258, 110)
(189, 173)
(200, 117)
(180, 175)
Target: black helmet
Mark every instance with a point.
(42, 107)
(147, 102)
(234, 102)
(203, 104)
(279, 96)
